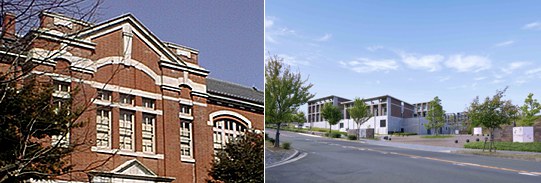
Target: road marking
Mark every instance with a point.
(310, 135)
(528, 173)
(302, 155)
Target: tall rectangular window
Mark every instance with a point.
(104, 95)
(126, 129)
(103, 127)
(149, 103)
(127, 99)
(149, 121)
(186, 139)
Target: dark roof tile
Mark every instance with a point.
(234, 90)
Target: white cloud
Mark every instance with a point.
(505, 43)
(520, 81)
(274, 32)
(480, 78)
(374, 48)
(534, 71)
(513, 66)
(269, 21)
(467, 63)
(365, 65)
(325, 37)
(293, 61)
(532, 26)
(442, 79)
(430, 62)
(496, 81)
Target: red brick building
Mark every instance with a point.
(154, 115)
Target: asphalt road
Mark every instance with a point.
(331, 160)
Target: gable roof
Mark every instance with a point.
(229, 89)
(137, 25)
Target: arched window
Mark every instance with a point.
(226, 129)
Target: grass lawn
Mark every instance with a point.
(436, 136)
(509, 146)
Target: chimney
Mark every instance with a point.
(8, 25)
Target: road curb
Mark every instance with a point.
(294, 157)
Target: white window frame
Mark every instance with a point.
(124, 96)
(58, 86)
(101, 94)
(150, 101)
(184, 107)
(226, 135)
(153, 126)
(99, 115)
(190, 144)
(122, 113)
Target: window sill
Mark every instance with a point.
(126, 153)
(185, 116)
(187, 160)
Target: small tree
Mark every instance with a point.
(300, 118)
(285, 91)
(529, 111)
(240, 160)
(492, 113)
(332, 114)
(360, 113)
(435, 115)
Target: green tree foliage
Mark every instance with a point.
(435, 115)
(492, 113)
(299, 117)
(285, 92)
(529, 111)
(29, 120)
(240, 161)
(332, 114)
(360, 113)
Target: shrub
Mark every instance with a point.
(334, 134)
(286, 145)
(352, 137)
(436, 136)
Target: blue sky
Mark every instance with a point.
(228, 34)
(412, 50)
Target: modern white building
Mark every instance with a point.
(390, 115)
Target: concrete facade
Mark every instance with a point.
(390, 115)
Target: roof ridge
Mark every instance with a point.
(229, 82)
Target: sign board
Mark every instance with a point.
(523, 134)
(478, 131)
(457, 132)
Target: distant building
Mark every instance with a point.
(390, 115)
